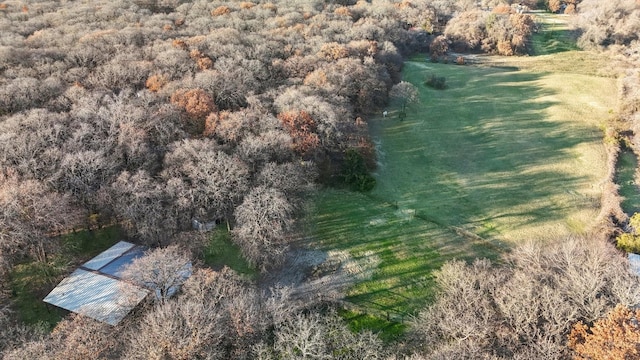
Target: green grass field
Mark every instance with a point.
(510, 151)
(555, 36)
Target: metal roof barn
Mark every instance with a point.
(96, 290)
(634, 263)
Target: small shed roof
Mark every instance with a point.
(634, 263)
(108, 255)
(96, 296)
(96, 289)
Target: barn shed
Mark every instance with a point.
(634, 263)
(96, 289)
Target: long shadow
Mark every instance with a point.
(475, 155)
(485, 154)
(626, 179)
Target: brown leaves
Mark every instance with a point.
(155, 82)
(615, 337)
(220, 10)
(302, 129)
(203, 61)
(196, 102)
(333, 51)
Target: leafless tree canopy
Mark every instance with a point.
(150, 113)
(163, 270)
(525, 308)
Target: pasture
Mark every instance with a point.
(509, 152)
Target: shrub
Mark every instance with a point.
(502, 9)
(629, 243)
(179, 44)
(436, 82)
(615, 336)
(246, 5)
(333, 51)
(302, 129)
(438, 47)
(570, 9)
(504, 48)
(343, 11)
(355, 173)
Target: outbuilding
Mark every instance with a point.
(96, 288)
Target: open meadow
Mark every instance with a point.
(512, 150)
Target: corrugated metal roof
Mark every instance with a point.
(96, 296)
(108, 255)
(96, 289)
(115, 267)
(634, 263)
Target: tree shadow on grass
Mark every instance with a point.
(466, 164)
(484, 149)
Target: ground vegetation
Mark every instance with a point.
(146, 115)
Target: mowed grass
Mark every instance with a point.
(504, 155)
(555, 35)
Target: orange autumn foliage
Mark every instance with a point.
(155, 82)
(301, 128)
(220, 10)
(615, 337)
(333, 51)
(196, 102)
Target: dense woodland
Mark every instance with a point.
(152, 113)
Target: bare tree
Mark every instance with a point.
(271, 145)
(404, 92)
(178, 329)
(144, 205)
(83, 173)
(608, 23)
(163, 270)
(205, 181)
(527, 308)
(320, 336)
(31, 142)
(78, 337)
(218, 316)
(30, 213)
(14, 336)
(293, 179)
(264, 221)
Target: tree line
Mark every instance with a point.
(151, 113)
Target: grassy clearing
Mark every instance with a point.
(31, 281)
(389, 330)
(554, 36)
(29, 285)
(86, 244)
(222, 252)
(505, 154)
(510, 151)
